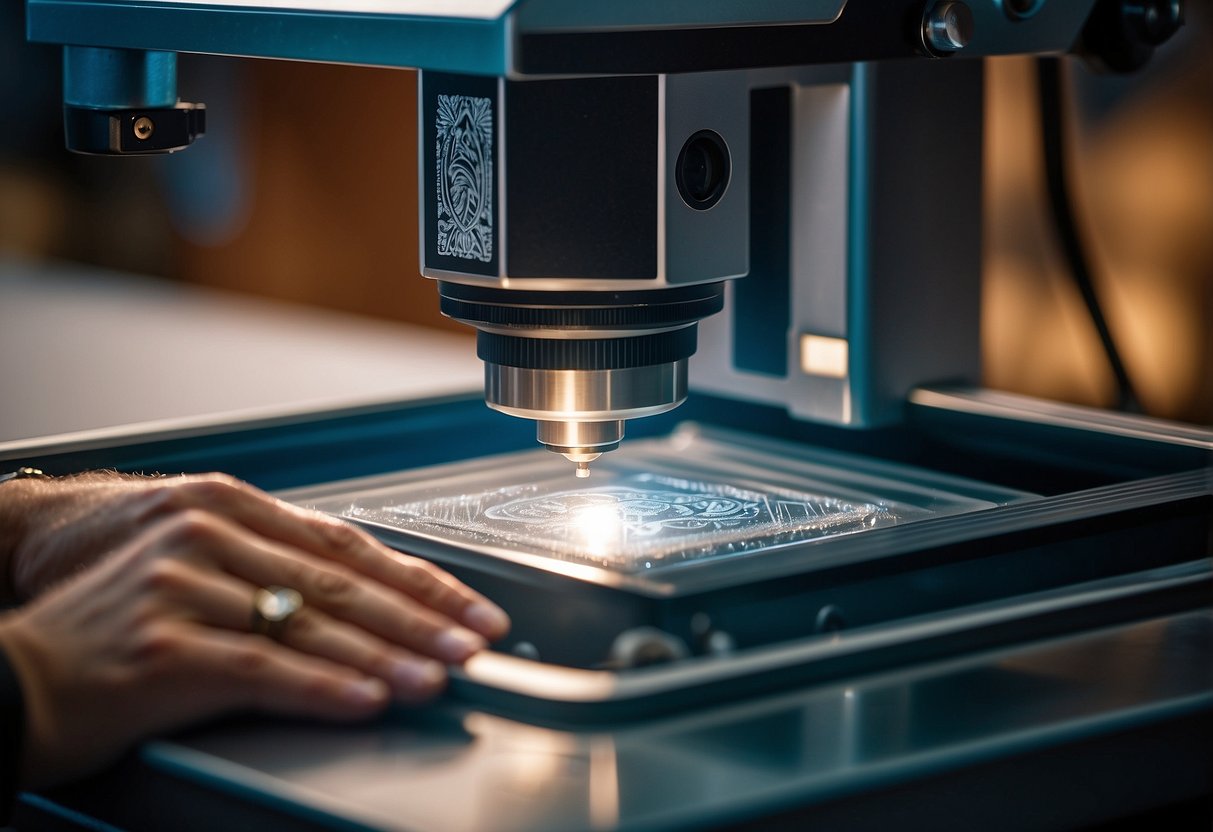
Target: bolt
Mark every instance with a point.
(526, 650)
(144, 128)
(830, 619)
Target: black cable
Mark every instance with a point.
(1053, 141)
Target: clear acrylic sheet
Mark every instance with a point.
(629, 521)
(692, 496)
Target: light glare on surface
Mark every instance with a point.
(822, 356)
(600, 528)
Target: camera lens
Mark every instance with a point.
(702, 173)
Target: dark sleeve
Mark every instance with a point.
(12, 734)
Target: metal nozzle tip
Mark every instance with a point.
(581, 458)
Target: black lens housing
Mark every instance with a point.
(703, 169)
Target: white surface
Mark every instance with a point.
(82, 349)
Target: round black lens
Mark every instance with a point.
(702, 173)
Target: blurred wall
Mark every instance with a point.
(332, 197)
(305, 188)
(94, 210)
(1142, 179)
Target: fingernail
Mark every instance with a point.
(418, 675)
(457, 645)
(366, 692)
(487, 619)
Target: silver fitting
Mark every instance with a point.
(580, 413)
(585, 395)
(580, 442)
(947, 27)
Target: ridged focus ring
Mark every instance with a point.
(579, 310)
(587, 354)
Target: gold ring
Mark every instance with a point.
(273, 607)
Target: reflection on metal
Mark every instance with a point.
(604, 783)
(690, 769)
(586, 395)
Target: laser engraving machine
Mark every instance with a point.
(856, 573)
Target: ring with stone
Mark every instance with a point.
(273, 607)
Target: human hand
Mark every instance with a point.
(156, 635)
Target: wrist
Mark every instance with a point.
(22, 649)
(12, 727)
(20, 499)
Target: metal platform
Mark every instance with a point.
(1057, 631)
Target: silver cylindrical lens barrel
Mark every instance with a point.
(582, 363)
(585, 396)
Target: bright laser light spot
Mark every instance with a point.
(600, 528)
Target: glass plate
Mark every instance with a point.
(654, 503)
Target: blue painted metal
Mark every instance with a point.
(119, 78)
(472, 46)
(484, 41)
(859, 236)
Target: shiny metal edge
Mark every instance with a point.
(257, 786)
(624, 15)
(574, 685)
(482, 41)
(552, 15)
(585, 395)
(356, 36)
(1000, 405)
(180, 758)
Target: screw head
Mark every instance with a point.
(830, 619)
(144, 128)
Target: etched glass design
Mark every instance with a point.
(464, 157)
(697, 496)
(634, 522)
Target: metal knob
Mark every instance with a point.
(947, 27)
(1154, 21)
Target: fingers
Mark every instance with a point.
(226, 670)
(438, 590)
(156, 633)
(221, 600)
(344, 595)
(411, 677)
(336, 541)
(100, 672)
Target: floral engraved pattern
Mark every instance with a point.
(638, 512)
(465, 177)
(633, 522)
